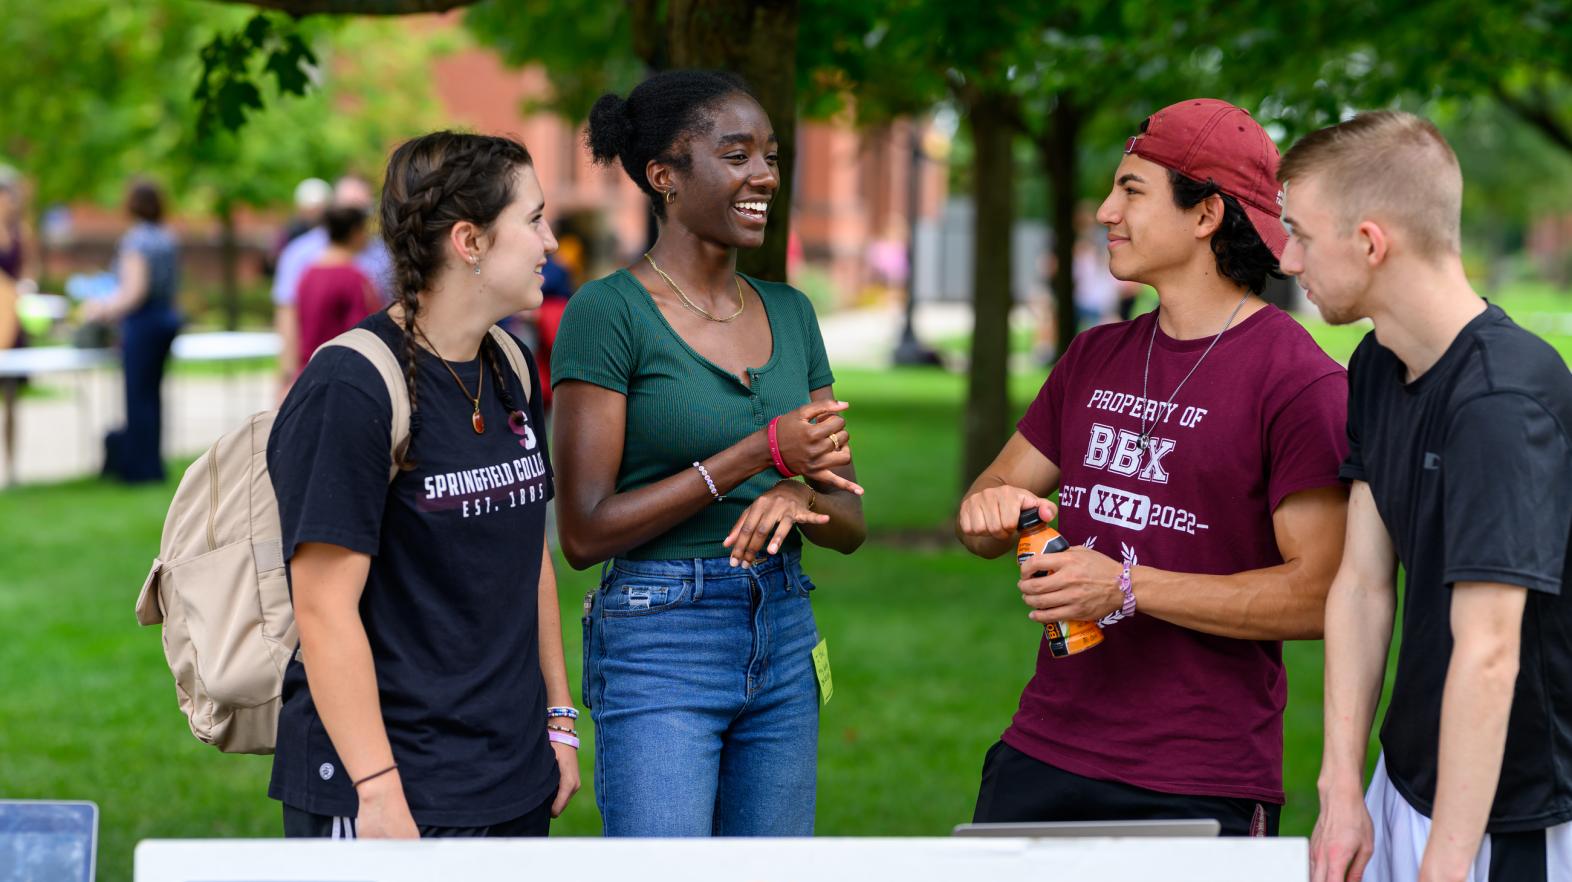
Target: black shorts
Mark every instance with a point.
(1016, 788)
(301, 824)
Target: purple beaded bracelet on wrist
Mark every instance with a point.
(1128, 608)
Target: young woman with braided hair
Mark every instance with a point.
(429, 696)
(685, 393)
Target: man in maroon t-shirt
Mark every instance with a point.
(334, 294)
(1195, 450)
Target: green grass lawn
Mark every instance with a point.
(930, 648)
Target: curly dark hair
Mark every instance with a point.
(1242, 257)
(432, 183)
(655, 122)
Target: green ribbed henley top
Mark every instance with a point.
(681, 406)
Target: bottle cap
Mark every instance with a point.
(1029, 519)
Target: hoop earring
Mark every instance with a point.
(671, 196)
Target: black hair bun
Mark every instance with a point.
(610, 128)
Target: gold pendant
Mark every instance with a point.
(477, 421)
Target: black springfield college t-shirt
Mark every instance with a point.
(1471, 468)
(450, 603)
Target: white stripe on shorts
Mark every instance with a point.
(343, 828)
(1401, 832)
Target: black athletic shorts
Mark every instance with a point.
(1016, 788)
(301, 824)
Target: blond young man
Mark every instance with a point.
(1461, 467)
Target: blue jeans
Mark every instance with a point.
(706, 707)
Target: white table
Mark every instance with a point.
(215, 346)
(727, 860)
(38, 361)
(226, 346)
(29, 362)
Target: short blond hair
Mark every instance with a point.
(1388, 165)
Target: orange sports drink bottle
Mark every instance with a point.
(1065, 638)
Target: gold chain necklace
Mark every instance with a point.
(476, 421)
(741, 303)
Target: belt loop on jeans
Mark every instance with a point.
(698, 578)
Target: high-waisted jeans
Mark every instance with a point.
(701, 683)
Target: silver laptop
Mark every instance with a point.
(48, 840)
(1201, 827)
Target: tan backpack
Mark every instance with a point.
(218, 584)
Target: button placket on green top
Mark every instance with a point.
(775, 347)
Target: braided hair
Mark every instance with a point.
(432, 183)
(655, 122)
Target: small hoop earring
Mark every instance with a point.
(671, 196)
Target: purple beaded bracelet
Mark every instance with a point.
(708, 481)
(1128, 608)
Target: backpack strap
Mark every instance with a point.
(376, 351)
(510, 348)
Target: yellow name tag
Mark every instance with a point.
(821, 666)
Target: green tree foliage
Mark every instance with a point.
(585, 47)
(102, 92)
(226, 89)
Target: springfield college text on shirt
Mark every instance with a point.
(1156, 705)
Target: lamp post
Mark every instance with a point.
(910, 350)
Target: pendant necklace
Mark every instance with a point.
(1146, 433)
(476, 421)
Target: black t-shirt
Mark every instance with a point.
(1471, 469)
(450, 602)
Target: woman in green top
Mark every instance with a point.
(686, 394)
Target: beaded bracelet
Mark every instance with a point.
(564, 730)
(708, 481)
(560, 738)
(1127, 609)
(569, 712)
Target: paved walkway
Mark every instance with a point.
(60, 431)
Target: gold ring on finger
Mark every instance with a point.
(835, 438)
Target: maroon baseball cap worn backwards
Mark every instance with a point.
(1205, 139)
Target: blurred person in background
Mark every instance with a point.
(15, 245)
(147, 270)
(1096, 289)
(351, 191)
(559, 286)
(335, 294)
(312, 197)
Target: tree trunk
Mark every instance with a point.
(991, 117)
(758, 41)
(1057, 150)
(229, 266)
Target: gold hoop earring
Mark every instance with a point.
(671, 196)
